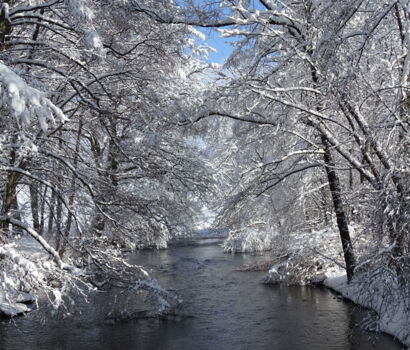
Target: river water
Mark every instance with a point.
(225, 308)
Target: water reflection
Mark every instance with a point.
(229, 310)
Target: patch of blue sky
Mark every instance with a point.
(223, 45)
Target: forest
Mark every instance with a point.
(118, 134)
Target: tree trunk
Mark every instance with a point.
(71, 199)
(42, 210)
(51, 212)
(9, 199)
(58, 222)
(34, 208)
(16, 213)
(341, 218)
(335, 190)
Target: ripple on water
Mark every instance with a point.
(229, 309)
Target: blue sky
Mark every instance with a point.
(213, 38)
(222, 45)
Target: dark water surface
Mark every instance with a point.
(229, 309)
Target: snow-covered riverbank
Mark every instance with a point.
(315, 258)
(391, 305)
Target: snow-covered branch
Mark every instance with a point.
(23, 101)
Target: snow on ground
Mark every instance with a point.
(391, 304)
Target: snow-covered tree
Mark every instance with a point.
(92, 160)
(333, 75)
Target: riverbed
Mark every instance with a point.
(223, 308)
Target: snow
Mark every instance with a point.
(42, 242)
(80, 10)
(391, 306)
(12, 302)
(23, 298)
(13, 309)
(249, 240)
(315, 257)
(26, 269)
(22, 100)
(92, 40)
(197, 33)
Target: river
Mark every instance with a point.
(225, 308)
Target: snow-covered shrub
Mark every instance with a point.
(309, 256)
(27, 268)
